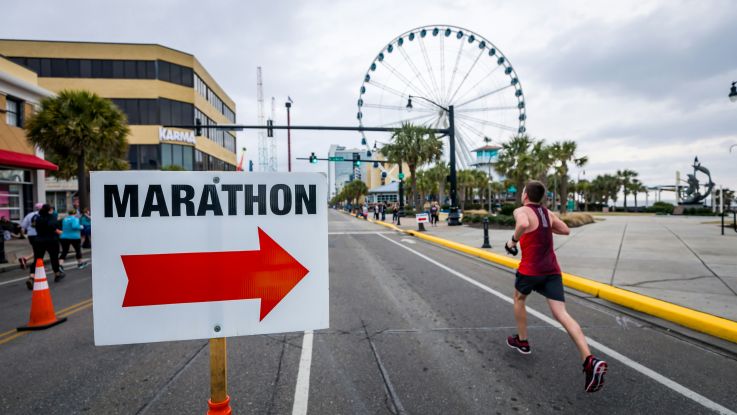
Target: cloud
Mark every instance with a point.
(640, 85)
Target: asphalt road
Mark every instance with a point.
(414, 329)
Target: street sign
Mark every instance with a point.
(336, 158)
(193, 255)
(422, 217)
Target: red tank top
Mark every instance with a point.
(538, 256)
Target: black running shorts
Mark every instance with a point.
(550, 286)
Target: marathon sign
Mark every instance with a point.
(193, 255)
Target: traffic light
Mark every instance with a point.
(250, 165)
(376, 164)
(401, 176)
(356, 160)
(269, 130)
(313, 158)
(198, 129)
(357, 163)
(383, 175)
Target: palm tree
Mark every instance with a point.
(353, 191)
(465, 182)
(425, 185)
(416, 146)
(80, 131)
(439, 174)
(625, 182)
(563, 152)
(637, 187)
(521, 158)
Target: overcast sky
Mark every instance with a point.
(637, 84)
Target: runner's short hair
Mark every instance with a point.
(535, 191)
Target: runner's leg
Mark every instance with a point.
(558, 308)
(520, 314)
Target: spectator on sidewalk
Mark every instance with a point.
(71, 235)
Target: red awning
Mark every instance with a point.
(13, 159)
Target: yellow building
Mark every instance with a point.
(22, 167)
(154, 85)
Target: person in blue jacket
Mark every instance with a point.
(71, 235)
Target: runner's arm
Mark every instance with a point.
(559, 227)
(522, 223)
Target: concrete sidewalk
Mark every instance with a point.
(679, 259)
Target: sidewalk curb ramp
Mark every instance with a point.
(693, 319)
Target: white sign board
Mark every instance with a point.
(422, 217)
(195, 255)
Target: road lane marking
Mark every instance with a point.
(302, 389)
(68, 264)
(66, 312)
(356, 232)
(677, 387)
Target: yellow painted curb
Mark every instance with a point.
(696, 320)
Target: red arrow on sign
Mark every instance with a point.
(269, 274)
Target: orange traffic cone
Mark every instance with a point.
(42, 309)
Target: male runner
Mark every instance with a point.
(539, 271)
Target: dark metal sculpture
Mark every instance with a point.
(693, 194)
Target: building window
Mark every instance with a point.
(89, 68)
(14, 111)
(144, 157)
(176, 74)
(177, 155)
(207, 93)
(10, 197)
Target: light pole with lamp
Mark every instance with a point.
(453, 215)
(288, 104)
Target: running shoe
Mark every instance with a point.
(29, 283)
(595, 369)
(22, 261)
(83, 265)
(522, 346)
(60, 276)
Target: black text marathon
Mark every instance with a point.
(132, 200)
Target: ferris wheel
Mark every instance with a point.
(447, 65)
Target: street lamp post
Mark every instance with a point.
(288, 104)
(453, 215)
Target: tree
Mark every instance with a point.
(605, 188)
(468, 180)
(353, 191)
(425, 185)
(637, 187)
(563, 152)
(625, 182)
(80, 131)
(439, 174)
(517, 162)
(416, 146)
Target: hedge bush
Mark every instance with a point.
(662, 208)
(507, 209)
